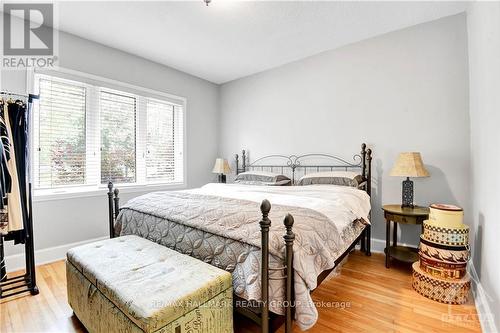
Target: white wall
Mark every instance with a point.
(403, 91)
(72, 220)
(484, 70)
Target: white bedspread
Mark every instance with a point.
(219, 220)
(341, 204)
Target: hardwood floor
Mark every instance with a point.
(375, 299)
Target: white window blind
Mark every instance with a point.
(164, 141)
(60, 135)
(88, 135)
(117, 137)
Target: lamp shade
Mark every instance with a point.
(409, 165)
(221, 166)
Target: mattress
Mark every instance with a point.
(218, 223)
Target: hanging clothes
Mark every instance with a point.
(18, 116)
(5, 178)
(4, 171)
(14, 141)
(16, 221)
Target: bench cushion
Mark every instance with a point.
(151, 284)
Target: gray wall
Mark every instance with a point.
(403, 91)
(66, 221)
(484, 70)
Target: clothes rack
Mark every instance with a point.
(14, 285)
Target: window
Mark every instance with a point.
(87, 134)
(163, 136)
(117, 138)
(60, 134)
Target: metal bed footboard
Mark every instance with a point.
(263, 317)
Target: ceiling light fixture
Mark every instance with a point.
(207, 1)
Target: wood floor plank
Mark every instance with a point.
(374, 299)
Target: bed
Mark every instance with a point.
(274, 266)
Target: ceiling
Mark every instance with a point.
(231, 39)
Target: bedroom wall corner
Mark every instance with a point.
(483, 23)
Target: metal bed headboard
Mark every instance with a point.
(295, 163)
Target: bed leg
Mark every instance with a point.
(369, 172)
(110, 211)
(362, 241)
(369, 191)
(368, 230)
(289, 238)
(265, 223)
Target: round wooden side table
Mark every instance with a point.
(398, 214)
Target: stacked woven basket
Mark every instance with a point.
(441, 273)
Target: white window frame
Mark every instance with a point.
(92, 124)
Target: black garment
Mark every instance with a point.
(18, 123)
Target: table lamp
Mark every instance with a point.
(409, 165)
(221, 167)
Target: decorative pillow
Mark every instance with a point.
(262, 178)
(344, 178)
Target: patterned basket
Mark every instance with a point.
(444, 253)
(442, 269)
(446, 236)
(438, 289)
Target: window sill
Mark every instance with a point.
(91, 191)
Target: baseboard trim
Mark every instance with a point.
(482, 302)
(16, 262)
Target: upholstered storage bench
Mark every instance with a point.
(129, 284)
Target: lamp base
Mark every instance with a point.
(407, 194)
(221, 178)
